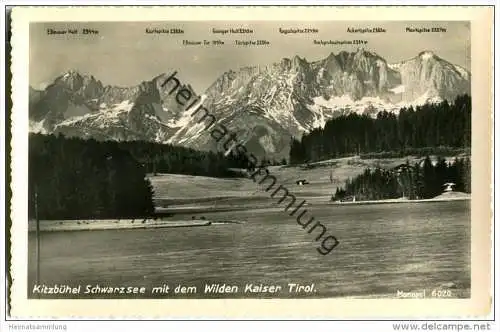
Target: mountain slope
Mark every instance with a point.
(300, 96)
(263, 105)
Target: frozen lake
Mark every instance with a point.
(383, 249)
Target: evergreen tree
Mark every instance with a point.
(425, 129)
(418, 181)
(73, 178)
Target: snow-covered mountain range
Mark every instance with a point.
(263, 105)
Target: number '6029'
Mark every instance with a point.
(441, 293)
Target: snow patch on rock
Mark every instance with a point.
(426, 55)
(37, 127)
(398, 89)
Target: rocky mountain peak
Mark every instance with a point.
(298, 62)
(362, 52)
(72, 79)
(426, 55)
(263, 104)
(84, 85)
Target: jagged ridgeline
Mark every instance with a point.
(429, 128)
(76, 178)
(263, 104)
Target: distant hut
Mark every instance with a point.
(448, 186)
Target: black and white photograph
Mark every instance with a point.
(273, 159)
(251, 162)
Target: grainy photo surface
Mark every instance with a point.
(248, 159)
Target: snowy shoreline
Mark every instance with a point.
(446, 197)
(107, 224)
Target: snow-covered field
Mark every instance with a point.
(324, 177)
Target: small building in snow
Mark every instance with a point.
(448, 186)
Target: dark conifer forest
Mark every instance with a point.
(166, 158)
(430, 126)
(419, 181)
(75, 178)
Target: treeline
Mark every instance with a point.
(419, 181)
(440, 151)
(71, 178)
(166, 158)
(77, 178)
(426, 126)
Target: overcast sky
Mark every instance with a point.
(124, 54)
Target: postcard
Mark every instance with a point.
(251, 162)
